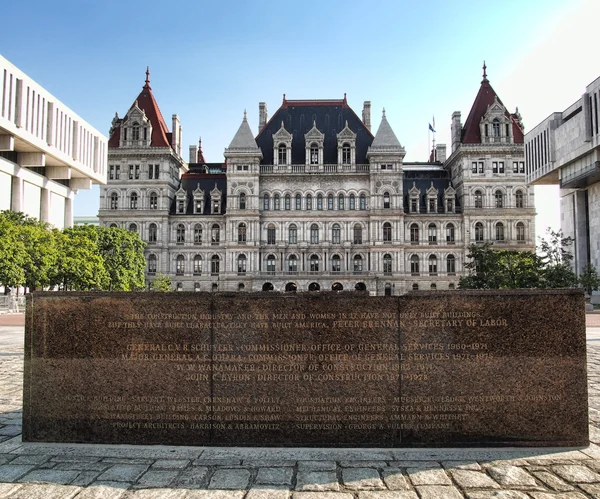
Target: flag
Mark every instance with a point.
(431, 128)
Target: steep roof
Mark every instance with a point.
(147, 103)
(471, 133)
(385, 136)
(243, 139)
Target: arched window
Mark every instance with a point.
(314, 154)
(271, 264)
(496, 127)
(282, 154)
(287, 202)
(291, 287)
(432, 265)
(358, 234)
(133, 228)
(319, 201)
(341, 202)
(113, 226)
(276, 202)
(336, 234)
(153, 201)
(433, 286)
(336, 263)
(415, 287)
(330, 202)
(293, 234)
(180, 234)
(346, 157)
(432, 233)
(388, 289)
(478, 232)
(314, 234)
(499, 231)
(215, 234)
(414, 234)
(135, 131)
(386, 200)
(114, 201)
(298, 202)
(241, 264)
(197, 234)
(271, 234)
(387, 264)
(414, 265)
(314, 263)
(451, 285)
(133, 201)
(293, 264)
(152, 232)
(519, 201)
(363, 202)
(478, 199)
(451, 265)
(450, 234)
(215, 262)
(309, 202)
(498, 199)
(267, 286)
(242, 233)
(358, 264)
(387, 231)
(242, 201)
(521, 232)
(352, 203)
(197, 265)
(179, 265)
(152, 264)
(266, 202)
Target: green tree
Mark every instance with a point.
(12, 253)
(161, 283)
(589, 279)
(123, 255)
(41, 254)
(557, 259)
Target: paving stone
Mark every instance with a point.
(30, 459)
(362, 479)
(275, 476)
(85, 478)
(395, 480)
(438, 492)
(316, 466)
(6, 489)
(576, 473)
(216, 462)
(268, 493)
(120, 460)
(104, 490)
(321, 495)
(50, 476)
(363, 464)
(387, 494)
(193, 478)
(75, 459)
(171, 464)
(10, 430)
(230, 479)
(123, 473)
(268, 463)
(552, 481)
(155, 494)
(81, 466)
(317, 481)
(513, 477)
(564, 495)
(12, 472)
(592, 489)
(46, 491)
(415, 464)
(157, 478)
(427, 476)
(461, 465)
(496, 494)
(468, 479)
(215, 494)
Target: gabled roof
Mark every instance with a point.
(471, 133)
(385, 136)
(243, 139)
(146, 102)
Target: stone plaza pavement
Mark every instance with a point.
(111, 471)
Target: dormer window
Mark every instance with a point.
(449, 199)
(346, 146)
(414, 205)
(432, 199)
(215, 200)
(135, 131)
(346, 157)
(180, 206)
(282, 144)
(496, 127)
(282, 154)
(314, 145)
(314, 154)
(198, 200)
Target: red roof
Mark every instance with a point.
(471, 133)
(146, 102)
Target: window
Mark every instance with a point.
(500, 166)
(179, 265)
(521, 232)
(358, 264)
(414, 265)
(114, 201)
(352, 205)
(314, 263)
(415, 287)
(494, 167)
(271, 264)
(293, 234)
(432, 205)
(118, 172)
(293, 264)
(358, 234)
(180, 234)
(215, 234)
(137, 172)
(388, 289)
(432, 265)
(314, 234)
(387, 231)
(314, 154)
(386, 200)
(276, 202)
(387, 167)
(153, 201)
(153, 171)
(341, 202)
(519, 202)
(309, 202)
(271, 234)
(474, 167)
(242, 201)
(113, 226)
(336, 263)
(387, 264)
(133, 228)
(242, 233)
(363, 202)
(282, 154)
(135, 131)
(197, 265)
(450, 234)
(451, 285)
(197, 234)
(515, 167)
(451, 265)
(298, 202)
(319, 201)
(521, 167)
(330, 202)
(287, 202)
(499, 231)
(130, 172)
(152, 233)
(180, 206)
(496, 127)
(133, 201)
(414, 205)
(414, 234)
(432, 234)
(498, 199)
(336, 234)
(214, 265)
(152, 264)
(480, 165)
(433, 286)
(346, 158)
(478, 199)
(266, 202)
(478, 232)
(216, 205)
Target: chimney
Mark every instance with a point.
(262, 116)
(440, 152)
(193, 154)
(366, 114)
(456, 130)
(179, 140)
(175, 135)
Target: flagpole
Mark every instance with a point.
(433, 143)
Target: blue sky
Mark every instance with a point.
(211, 60)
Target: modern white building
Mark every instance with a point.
(316, 200)
(47, 152)
(564, 150)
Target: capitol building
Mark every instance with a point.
(317, 199)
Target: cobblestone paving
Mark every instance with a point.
(144, 472)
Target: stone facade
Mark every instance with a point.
(315, 201)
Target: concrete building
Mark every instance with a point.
(316, 201)
(564, 150)
(47, 152)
